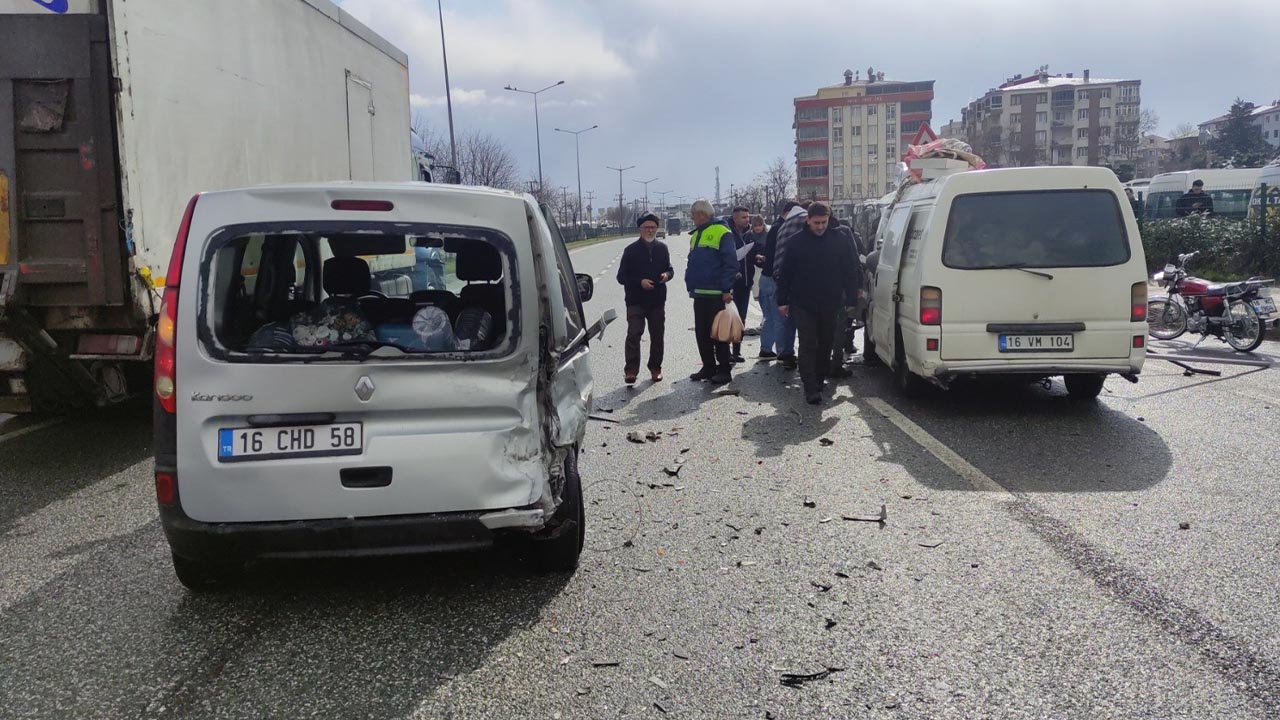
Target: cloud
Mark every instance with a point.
(461, 97)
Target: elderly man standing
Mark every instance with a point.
(709, 278)
(816, 277)
(644, 272)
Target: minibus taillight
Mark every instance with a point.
(930, 306)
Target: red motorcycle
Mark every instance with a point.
(1236, 313)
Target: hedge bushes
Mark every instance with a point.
(1228, 248)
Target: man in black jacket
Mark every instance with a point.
(816, 277)
(644, 272)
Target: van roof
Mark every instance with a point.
(1012, 179)
(366, 189)
(1182, 179)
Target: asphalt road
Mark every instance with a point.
(1032, 565)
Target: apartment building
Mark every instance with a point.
(1266, 118)
(850, 137)
(1045, 119)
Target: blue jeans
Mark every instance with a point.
(769, 307)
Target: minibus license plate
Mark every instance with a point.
(1037, 343)
(1265, 305)
(275, 443)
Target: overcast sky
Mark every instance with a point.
(681, 86)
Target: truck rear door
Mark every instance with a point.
(57, 156)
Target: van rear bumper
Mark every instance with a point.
(336, 537)
(950, 369)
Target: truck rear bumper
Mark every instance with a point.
(982, 367)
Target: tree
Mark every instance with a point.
(1239, 142)
(1125, 171)
(485, 160)
(1148, 121)
(1182, 130)
(775, 184)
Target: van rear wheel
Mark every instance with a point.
(910, 385)
(560, 552)
(1084, 387)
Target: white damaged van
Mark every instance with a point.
(351, 369)
(1031, 272)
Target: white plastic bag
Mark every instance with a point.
(727, 325)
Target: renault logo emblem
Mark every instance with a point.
(364, 388)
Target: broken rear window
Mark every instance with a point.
(337, 291)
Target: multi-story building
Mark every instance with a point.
(850, 137)
(1045, 119)
(1266, 118)
(1152, 157)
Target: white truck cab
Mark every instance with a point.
(1033, 272)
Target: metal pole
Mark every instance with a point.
(536, 125)
(448, 94)
(645, 183)
(577, 153)
(620, 170)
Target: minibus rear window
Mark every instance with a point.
(1035, 229)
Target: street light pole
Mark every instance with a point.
(537, 127)
(577, 154)
(662, 200)
(448, 94)
(620, 170)
(645, 183)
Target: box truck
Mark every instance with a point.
(113, 113)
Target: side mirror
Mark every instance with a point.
(586, 286)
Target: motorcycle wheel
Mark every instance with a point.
(1166, 320)
(1243, 331)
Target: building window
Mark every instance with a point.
(891, 112)
(1082, 133)
(855, 114)
(837, 115)
(890, 132)
(1015, 119)
(855, 131)
(813, 172)
(837, 136)
(1082, 114)
(871, 151)
(839, 191)
(1082, 96)
(856, 171)
(910, 126)
(837, 156)
(857, 189)
(806, 114)
(871, 110)
(812, 152)
(1105, 93)
(1106, 131)
(837, 173)
(1042, 118)
(1041, 137)
(812, 132)
(889, 150)
(1042, 99)
(873, 188)
(1082, 152)
(916, 106)
(996, 101)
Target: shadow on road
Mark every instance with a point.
(1027, 438)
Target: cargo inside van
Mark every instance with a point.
(326, 291)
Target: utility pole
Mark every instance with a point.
(537, 128)
(717, 185)
(645, 183)
(577, 154)
(448, 94)
(564, 204)
(620, 170)
(662, 200)
(591, 202)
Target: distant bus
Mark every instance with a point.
(674, 226)
(1229, 189)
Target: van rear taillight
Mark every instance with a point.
(167, 329)
(930, 306)
(363, 205)
(1138, 303)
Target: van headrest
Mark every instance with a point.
(478, 261)
(346, 276)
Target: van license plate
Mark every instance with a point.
(301, 441)
(1037, 343)
(1265, 306)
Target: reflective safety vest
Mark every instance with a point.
(708, 239)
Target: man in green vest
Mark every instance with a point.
(709, 277)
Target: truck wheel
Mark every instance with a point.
(910, 385)
(1083, 387)
(204, 576)
(560, 552)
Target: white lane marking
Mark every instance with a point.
(975, 477)
(53, 539)
(28, 430)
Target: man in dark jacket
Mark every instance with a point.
(817, 275)
(1195, 201)
(709, 278)
(644, 272)
(792, 222)
(741, 225)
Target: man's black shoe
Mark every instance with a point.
(767, 355)
(700, 376)
(812, 398)
(839, 371)
(720, 378)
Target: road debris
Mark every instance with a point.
(826, 442)
(796, 680)
(882, 518)
(821, 587)
(872, 564)
(1184, 526)
(825, 520)
(658, 706)
(603, 419)
(680, 654)
(658, 681)
(831, 623)
(930, 547)
(605, 663)
(810, 503)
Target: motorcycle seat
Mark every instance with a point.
(1223, 289)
